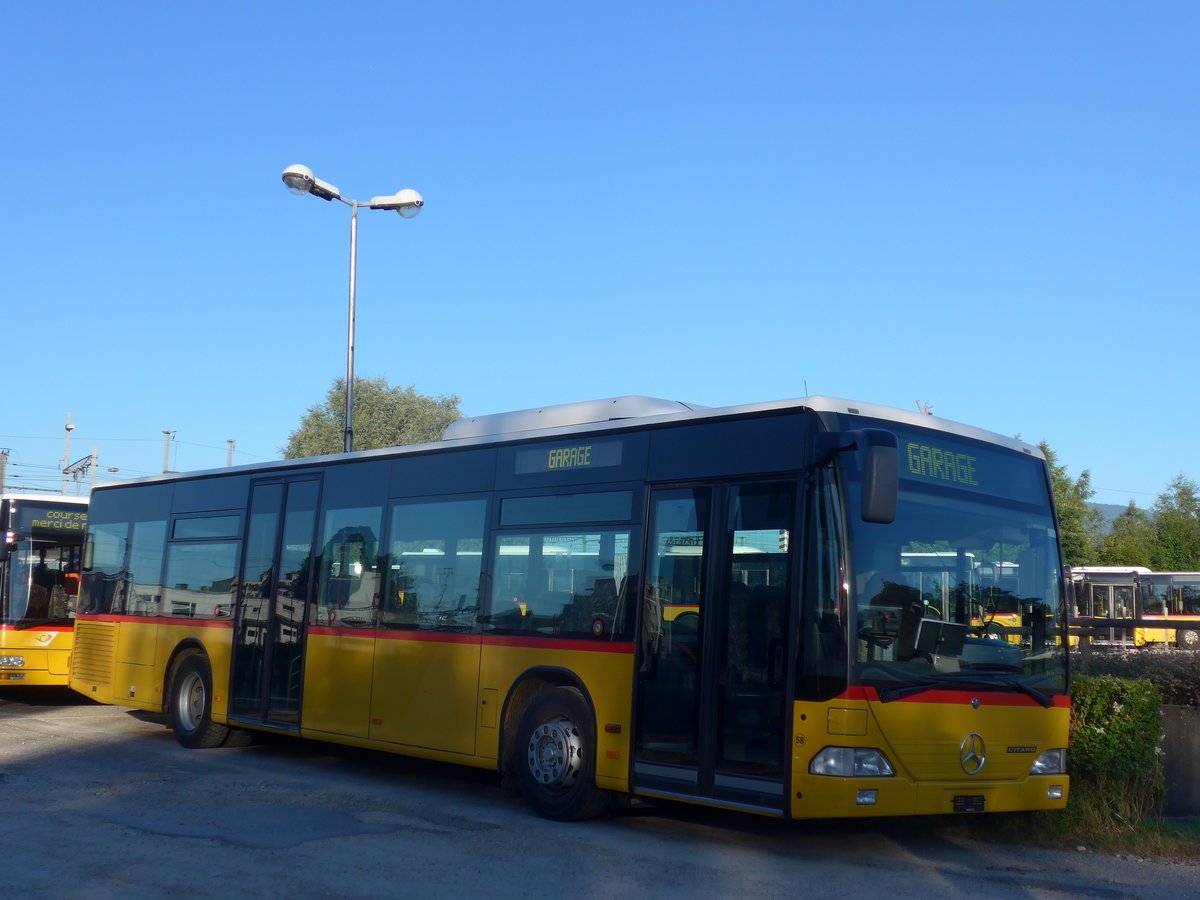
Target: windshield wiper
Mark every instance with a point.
(1016, 685)
(919, 687)
(1027, 689)
(26, 624)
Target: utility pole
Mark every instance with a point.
(229, 453)
(167, 435)
(3, 465)
(67, 453)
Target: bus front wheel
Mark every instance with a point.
(191, 705)
(556, 765)
(1188, 638)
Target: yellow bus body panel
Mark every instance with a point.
(126, 662)
(923, 743)
(47, 655)
(425, 690)
(389, 688)
(337, 684)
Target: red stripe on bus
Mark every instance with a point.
(986, 698)
(397, 634)
(532, 643)
(492, 640)
(58, 628)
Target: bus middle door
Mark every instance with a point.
(268, 632)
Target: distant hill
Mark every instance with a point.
(1110, 511)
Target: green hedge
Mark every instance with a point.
(1115, 750)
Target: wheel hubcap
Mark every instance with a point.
(556, 753)
(191, 702)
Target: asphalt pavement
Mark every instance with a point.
(101, 803)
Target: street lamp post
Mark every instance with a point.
(300, 180)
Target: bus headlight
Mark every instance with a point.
(1052, 762)
(15, 661)
(861, 762)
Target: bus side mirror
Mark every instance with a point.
(878, 455)
(879, 462)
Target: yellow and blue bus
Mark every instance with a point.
(625, 597)
(1133, 606)
(39, 584)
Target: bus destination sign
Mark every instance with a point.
(926, 461)
(38, 517)
(978, 467)
(567, 457)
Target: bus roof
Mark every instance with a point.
(614, 413)
(1111, 570)
(587, 412)
(43, 498)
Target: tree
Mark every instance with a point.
(1177, 524)
(1131, 541)
(1078, 521)
(384, 416)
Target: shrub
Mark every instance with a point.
(1115, 751)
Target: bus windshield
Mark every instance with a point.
(43, 583)
(962, 589)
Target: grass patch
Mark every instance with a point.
(1086, 823)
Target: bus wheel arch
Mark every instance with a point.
(1188, 638)
(549, 744)
(182, 649)
(189, 698)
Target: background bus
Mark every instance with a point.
(39, 585)
(722, 606)
(1137, 607)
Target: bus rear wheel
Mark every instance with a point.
(556, 764)
(190, 708)
(1188, 638)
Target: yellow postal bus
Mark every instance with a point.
(619, 597)
(1133, 606)
(42, 541)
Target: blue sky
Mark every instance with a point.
(991, 208)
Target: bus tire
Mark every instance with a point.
(190, 709)
(556, 758)
(1188, 638)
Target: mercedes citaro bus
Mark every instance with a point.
(627, 597)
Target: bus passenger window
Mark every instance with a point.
(106, 568)
(200, 581)
(433, 566)
(349, 567)
(561, 585)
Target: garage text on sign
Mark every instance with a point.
(934, 462)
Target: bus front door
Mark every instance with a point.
(1115, 603)
(268, 632)
(711, 705)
